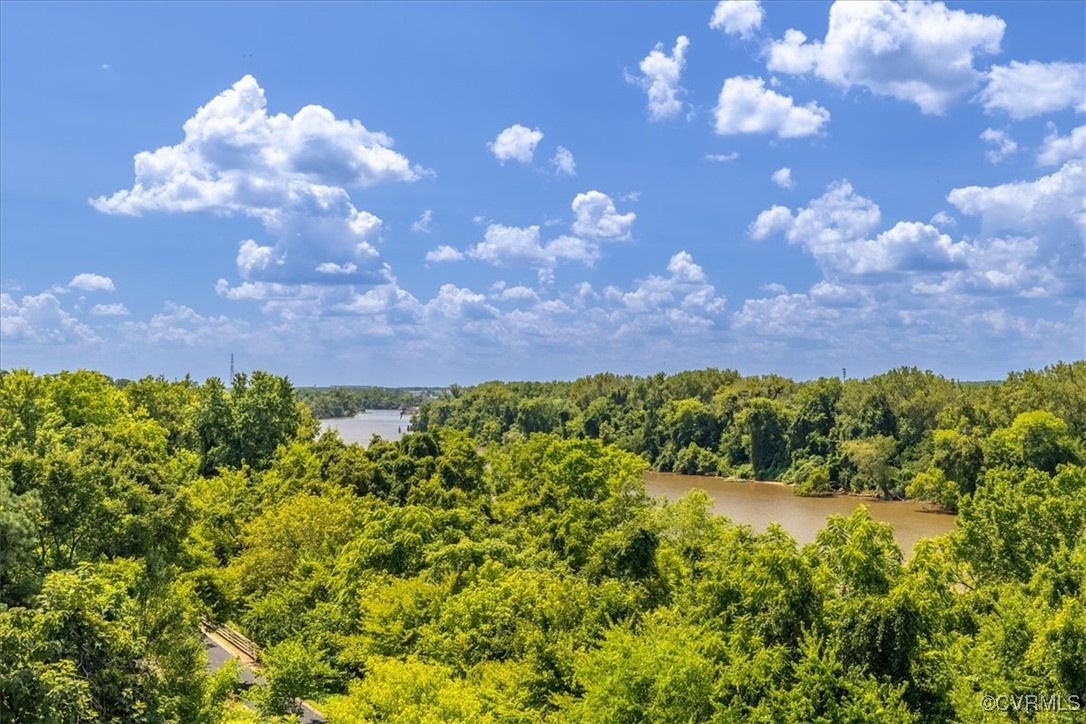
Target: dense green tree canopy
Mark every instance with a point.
(506, 564)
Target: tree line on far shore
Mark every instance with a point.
(902, 433)
(348, 401)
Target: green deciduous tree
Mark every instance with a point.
(1019, 519)
(1036, 439)
(20, 566)
(871, 458)
(932, 485)
(663, 672)
(764, 425)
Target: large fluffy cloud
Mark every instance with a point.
(911, 291)
(660, 74)
(1024, 90)
(1048, 214)
(826, 225)
(1034, 206)
(290, 172)
(908, 246)
(821, 313)
(919, 52)
(839, 230)
(747, 106)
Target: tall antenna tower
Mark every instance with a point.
(231, 367)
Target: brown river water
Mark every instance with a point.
(759, 504)
(754, 504)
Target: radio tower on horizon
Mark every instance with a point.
(231, 368)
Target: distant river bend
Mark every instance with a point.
(754, 504)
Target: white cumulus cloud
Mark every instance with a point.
(660, 75)
(518, 294)
(747, 106)
(459, 302)
(597, 217)
(1029, 206)
(912, 288)
(1057, 148)
(1024, 90)
(909, 246)
(444, 253)
(921, 52)
(290, 172)
(682, 302)
(793, 54)
(737, 17)
(1050, 211)
(839, 230)
(770, 221)
(516, 246)
(39, 319)
(91, 283)
(516, 143)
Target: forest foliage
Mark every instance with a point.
(902, 433)
(498, 568)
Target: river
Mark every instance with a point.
(755, 504)
(759, 504)
(359, 429)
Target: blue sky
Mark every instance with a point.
(430, 193)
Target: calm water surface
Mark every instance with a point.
(759, 504)
(360, 428)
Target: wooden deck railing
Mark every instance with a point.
(235, 639)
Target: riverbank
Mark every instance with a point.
(760, 503)
(930, 507)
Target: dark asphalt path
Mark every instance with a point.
(218, 655)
